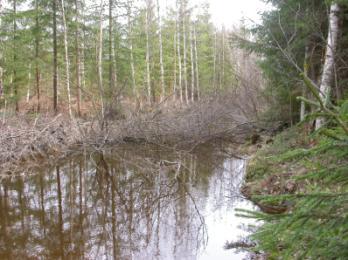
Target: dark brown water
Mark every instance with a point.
(126, 203)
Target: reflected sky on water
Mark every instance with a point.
(125, 203)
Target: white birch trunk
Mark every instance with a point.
(305, 71)
(219, 63)
(161, 51)
(179, 57)
(214, 64)
(175, 63)
(184, 53)
(67, 62)
(192, 68)
(82, 58)
(328, 70)
(100, 59)
(28, 87)
(112, 65)
(1, 82)
(78, 61)
(196, 62)
(130, 40)
(223, 58)
(148, 73)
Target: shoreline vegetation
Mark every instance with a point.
(299, 182)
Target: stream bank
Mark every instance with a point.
(299, 181)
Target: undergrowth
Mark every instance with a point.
(315, 222)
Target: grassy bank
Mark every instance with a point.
(300, 182)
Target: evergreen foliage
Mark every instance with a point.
(33, 19)
(303, 174)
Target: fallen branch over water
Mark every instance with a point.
(31, 142)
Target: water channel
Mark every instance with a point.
(127, 202)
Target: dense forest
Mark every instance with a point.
(67, 55)
(78, 77)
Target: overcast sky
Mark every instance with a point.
(224, 12)
(229, 12)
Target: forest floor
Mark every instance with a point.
(299, 181)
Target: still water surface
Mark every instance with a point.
(125, 203)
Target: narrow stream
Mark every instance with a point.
(126, 203)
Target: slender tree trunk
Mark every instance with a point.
(305, 71)
(214, 63)
(223, 58)
(175, 63)
(67, 61)
(15, 80)
(1, 82)
(28, 85)
(82, 52)
(183, 9)
(78, 60)
(148, 73)
(179, 53)
(112, 76)
(219, 48)
(4, 112)
(192, 68)
(55, 59)
(37, 47)
(130, 39)
(196, 62)
(329, 64)
(100, 59)
(163, 90)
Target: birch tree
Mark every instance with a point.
(37, 47)
(147, 30)
(192, 67)
(78, 60)
(1, 82)
(130, 40)
(305, 71)
(179, 51)
(67, 61)
(15, 79)
(161, 51)
(112, 74)
(183, 15)
(196, 61)
(55, 57)
(29, 81)
(223, 59)
(214, 62)
(100, 60)
(175, 62)
(328, 69)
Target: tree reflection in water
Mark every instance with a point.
(129, 203)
